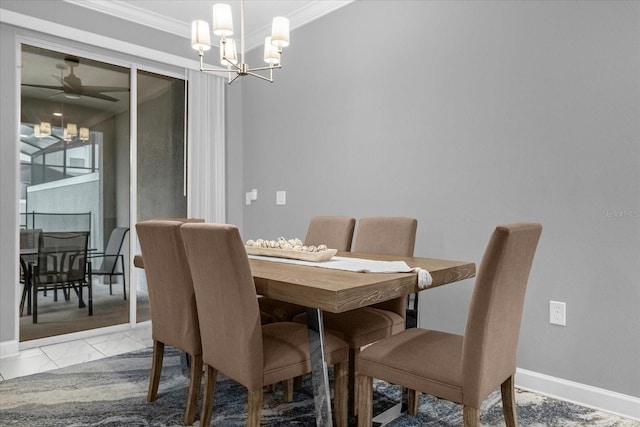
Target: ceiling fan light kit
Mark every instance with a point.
(222, 25)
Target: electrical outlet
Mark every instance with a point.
(557, 313)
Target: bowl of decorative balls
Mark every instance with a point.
(289, 248)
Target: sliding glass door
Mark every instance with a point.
(161, 151)
(76, 163)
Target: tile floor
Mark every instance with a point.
(56, 356)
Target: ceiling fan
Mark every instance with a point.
(72, 86)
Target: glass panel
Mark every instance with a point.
(72, 180)
(161, 152)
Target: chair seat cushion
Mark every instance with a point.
(286, 351)
(420, 359)
(282, 311)
(361, 326)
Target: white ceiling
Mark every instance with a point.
(175, 16)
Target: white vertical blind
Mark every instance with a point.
(206, 145)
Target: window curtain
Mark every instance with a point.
(206, 147)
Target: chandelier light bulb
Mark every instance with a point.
(228, 53)
(222, 26)
(222, 20)
(72, 130)
(271, 54)
(84, 134)
(45, 129)
(280, 32)
(200, 36)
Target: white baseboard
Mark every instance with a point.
(9, 349)
(581, 394)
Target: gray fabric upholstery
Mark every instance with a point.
(235, 343)
(375, 235)
(334, 231)
(174, 317)
(466, 369)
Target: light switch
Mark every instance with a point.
(281, 197)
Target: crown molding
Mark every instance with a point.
(123, 10)
(306, 14)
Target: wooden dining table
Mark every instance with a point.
(336, 291)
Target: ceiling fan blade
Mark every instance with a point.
(105, 89)
(97, 95)
(43, 86)
(58, 78)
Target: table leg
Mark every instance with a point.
(319, 375)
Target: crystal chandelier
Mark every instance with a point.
(223, 27)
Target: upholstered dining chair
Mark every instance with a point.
(463, 369)
(235, 343)
(174, 317)
(375, 235)
(334, 231)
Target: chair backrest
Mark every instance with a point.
(387, 235)
(227, 304)
(174, 317)
(62, 256)
(60, 221)
(334, 231)
(493, 323)
(114, 246)
(29, 238)
(116, 239)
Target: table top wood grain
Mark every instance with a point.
(337, 291)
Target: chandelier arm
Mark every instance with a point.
(236, 66)
(269, 79)
(200, 42)
(215, 70)
(274, 67)
(209, 70)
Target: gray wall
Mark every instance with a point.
(487, 113)
(466, 115)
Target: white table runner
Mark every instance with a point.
(359, 265)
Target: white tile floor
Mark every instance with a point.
(56, 356)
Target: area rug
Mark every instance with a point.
(112, 392)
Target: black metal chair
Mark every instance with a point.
(62, 265)
(28, 254)
(111, 257)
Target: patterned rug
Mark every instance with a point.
(112, 392)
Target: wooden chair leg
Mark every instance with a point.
(341, 393)
(353, 373)
(509, 402)
(287, 390)
(413, 402)
(156, 370)
(195, 378)
(471, 416)
(254, 407)
(365, 400)
(210, 375)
